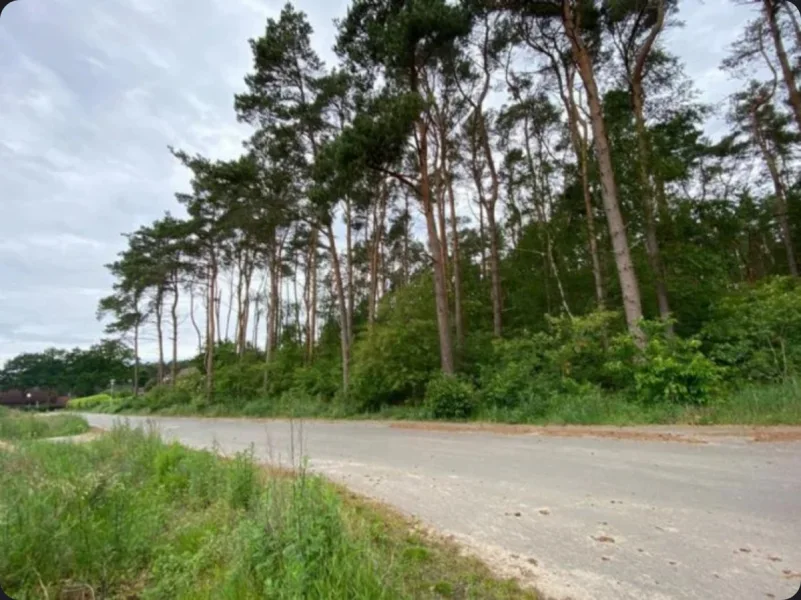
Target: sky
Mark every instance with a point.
(92, 93)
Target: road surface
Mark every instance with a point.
(577, 517)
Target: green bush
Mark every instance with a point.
(668, 370)
(532, 370)
(448, 397)
(756, 331)
(518, 374)
(91, 402)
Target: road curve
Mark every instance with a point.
(578, 517)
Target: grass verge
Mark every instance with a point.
(128, 516)
(15, 425)
(765, 404)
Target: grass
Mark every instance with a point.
(757, 404)
(130, 516)
(16, 425)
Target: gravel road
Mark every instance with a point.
(578, 517)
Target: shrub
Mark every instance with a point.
(517, 374)
(531, 371)
(756, 331)
(668, 370)
(577, 348)
(239, 382)
(448, 397)
(90, 402)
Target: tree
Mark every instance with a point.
(635, 27)
(402, 40)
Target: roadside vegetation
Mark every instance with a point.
(741, 368)
(130, 516)
(19, 426)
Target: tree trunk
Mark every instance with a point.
(160, 333)
(483, 267)
(193, 320)
(210, 330)
(174, 370)
(218, 307)
(298, 329)
(651, 241)
(379, 213)
(244, 311)
(349, 263)
(440, 289)
(136, 349)
(256, 319)
(781, 197)
(787, 71)
(632, 304)
(457, 270)
(230, 303)
(580, 147)
(442, 231)
(495, 259)
(343, 308)
(272, 325)
(406, 219)
(313, 297)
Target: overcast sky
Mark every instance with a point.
(91, 94)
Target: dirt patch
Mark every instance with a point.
(622, 434)
(696, 434)
(777, 435)
(617, 433)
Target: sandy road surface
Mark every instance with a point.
(578, 516)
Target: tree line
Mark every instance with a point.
(464, 171)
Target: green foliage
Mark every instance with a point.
(90, 402)
(756, 330)
(21, 426)
(393, 361)
(669, 370)
(530, 371)
(130, 514)
(78, 372)
(448, 397)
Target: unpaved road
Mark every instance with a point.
(579, 517)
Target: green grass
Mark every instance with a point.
(130, 516)
(755, 404)
(16, 425)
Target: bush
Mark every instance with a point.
(531, 371)
(90, 402)
(668, 370)
(448, 397)
(756, 331)
(517, 374)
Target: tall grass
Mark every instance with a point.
(128, 515)
(15, 425)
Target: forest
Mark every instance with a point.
(496, 209)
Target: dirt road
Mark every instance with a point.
(578, 516)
